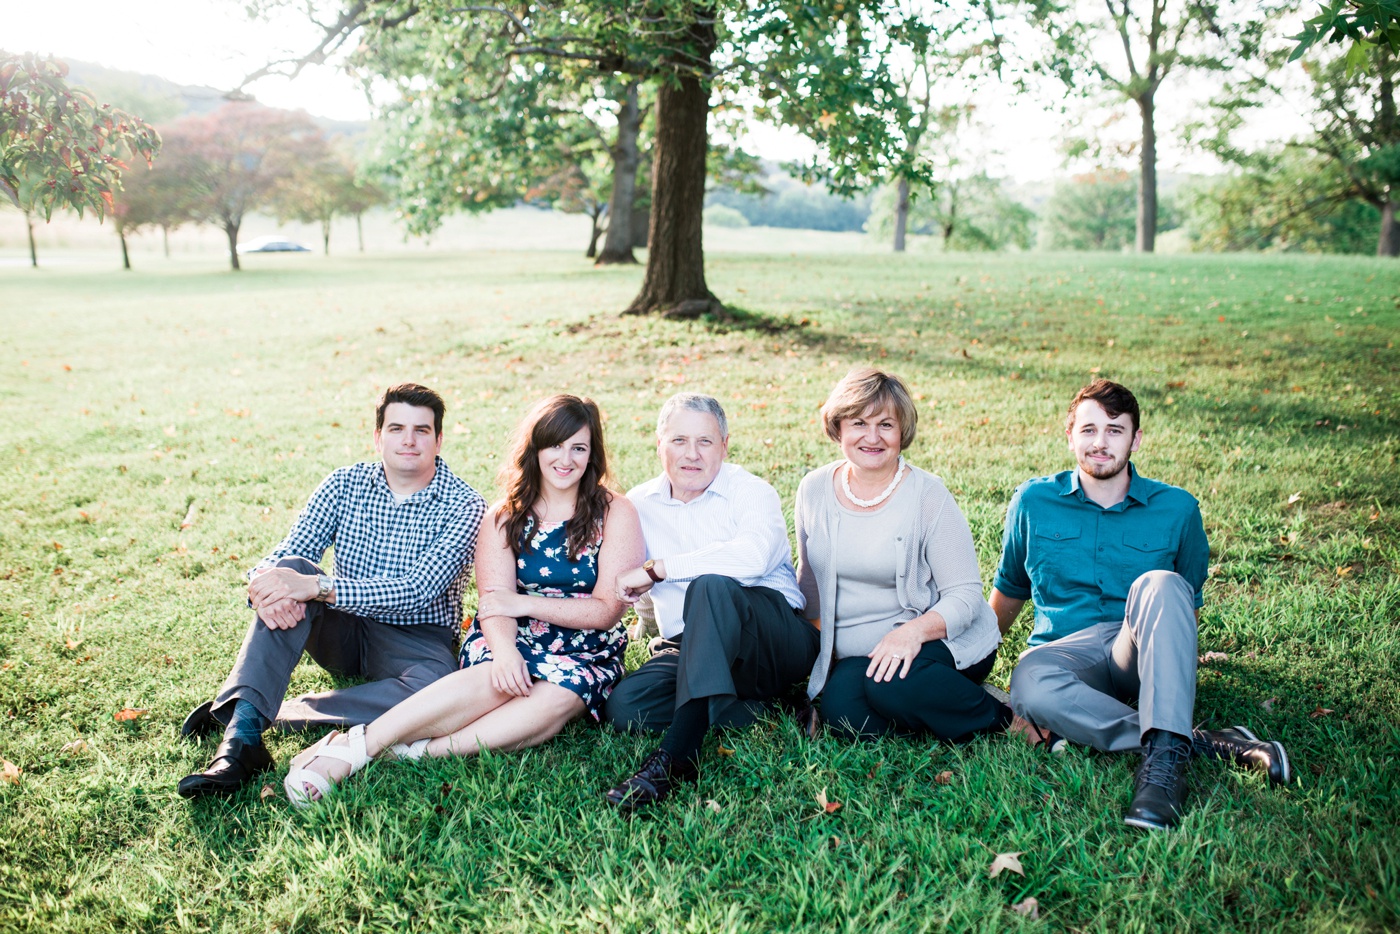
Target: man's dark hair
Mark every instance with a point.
(411, 394)
(1115, 398)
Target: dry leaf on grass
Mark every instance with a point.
(944, 777)
(1028, 907)
(1320, 712)
(189, 517)
(70, 643)
(827, 807)
(1006, 862)
(713, 805)
(9, 772)
(1268, 705)
(725, 751)
(75, 747)
(1294, 498)
(267, 792)
(129, 713)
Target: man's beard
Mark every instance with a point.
(1104, 471)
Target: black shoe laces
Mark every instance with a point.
(1163, 765)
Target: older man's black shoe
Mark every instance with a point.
(235, 763)
(1159, 792)
(652, 783)
(201, 722)
(1238, 745)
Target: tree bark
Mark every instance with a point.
(232, 230)
(165, 238)
(1389, 243)
(360, 230)
(326, 235)
(126, 257)
(674, 284)
(595, 216)
(1147, 178)
(901, 213)
(617, 248)
(29, 226)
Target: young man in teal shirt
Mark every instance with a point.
(1115, 564)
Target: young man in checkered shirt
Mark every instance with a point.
(404, 532)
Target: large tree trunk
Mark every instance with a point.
(674, 284)
(1147, 179)
(126, 257)
(231, 229)
(617, 248)
(1389, 244)
(901, 213)
(29, 226)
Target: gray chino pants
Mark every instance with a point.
(1079, 686)
(398, 660)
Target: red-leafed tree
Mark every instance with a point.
(58, 146)
(233, 161)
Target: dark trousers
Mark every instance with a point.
(398, 660)
(740, 645)
(935, 697)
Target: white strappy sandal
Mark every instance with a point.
(412, 751)
(299, 776)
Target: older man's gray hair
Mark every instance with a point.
(693, 402)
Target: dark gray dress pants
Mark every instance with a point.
(741, 646)
(398, 661)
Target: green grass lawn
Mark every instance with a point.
(163, 428)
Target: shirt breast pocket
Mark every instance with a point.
(1143, 552)
(1058, 549)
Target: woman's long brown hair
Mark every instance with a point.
(554, 421)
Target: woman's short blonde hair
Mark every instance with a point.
(866, 389)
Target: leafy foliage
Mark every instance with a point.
(972, 213)
(1366, 24)
(1094, 211)
(70, 148)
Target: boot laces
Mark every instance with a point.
(1163, 765)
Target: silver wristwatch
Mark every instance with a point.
(324, 585)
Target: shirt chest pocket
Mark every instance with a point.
(1058, 548)
(1142, 552)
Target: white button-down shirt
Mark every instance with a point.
(734, 528)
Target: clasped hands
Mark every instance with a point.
(280, 595)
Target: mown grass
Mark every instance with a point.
(136, 404)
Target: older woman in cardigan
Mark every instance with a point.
(888, 568)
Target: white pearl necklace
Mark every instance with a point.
(846, 485)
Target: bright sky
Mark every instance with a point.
(213, 42)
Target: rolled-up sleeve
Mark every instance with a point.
(1012, 578)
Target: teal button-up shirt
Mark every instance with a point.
(1076, 560)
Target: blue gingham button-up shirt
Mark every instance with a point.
(405, 564)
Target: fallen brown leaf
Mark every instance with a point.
(189, 517)
(9, 772)
(129, 713)
(1320, 712)
(713, 805)
(944, 777)
(75, 747)
(70, 643)
(1006, 862)
(1028, 907)
(827, 807)
(724, 751)
(267, 792)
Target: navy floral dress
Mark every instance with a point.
(586, 661)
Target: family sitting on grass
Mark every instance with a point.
(883, 616)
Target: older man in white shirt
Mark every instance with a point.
(719, 571)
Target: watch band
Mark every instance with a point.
(324, 584)
(650, 567)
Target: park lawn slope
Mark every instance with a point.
(164, 427)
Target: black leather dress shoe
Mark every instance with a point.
(1159, 793)
(1243, 748)
(652, 783)
(201, 722)
(235, 762)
